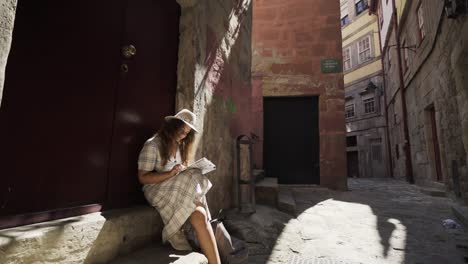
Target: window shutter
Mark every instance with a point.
(344, 9)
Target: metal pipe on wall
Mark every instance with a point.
(407, 145)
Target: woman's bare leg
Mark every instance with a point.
(205, 235)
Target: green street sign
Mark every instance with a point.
(330, 66)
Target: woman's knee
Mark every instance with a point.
(199, 217)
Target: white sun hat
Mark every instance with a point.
(185, 116)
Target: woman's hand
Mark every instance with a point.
(176, 169)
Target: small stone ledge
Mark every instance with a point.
(91, 238)
(461, 212)
(432, 192)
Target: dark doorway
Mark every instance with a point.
(353, 164)
(435, 144)
(291, 139)
(76, 109)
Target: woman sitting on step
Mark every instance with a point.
(177, 195)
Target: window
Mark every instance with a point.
(361, 6)
(347, 59)
(422, 31)
(349, 111)
(376, 152)
(344, 21)
(351, 141)
(405, 57)
(364, 49)
(344, 13)
(369, 105)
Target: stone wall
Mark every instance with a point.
(214, 81)
(394, 107)
(436, 79)
(7, 17)
(289, 40)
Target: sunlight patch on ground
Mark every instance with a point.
(341, 232)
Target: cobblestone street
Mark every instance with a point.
(377, 221)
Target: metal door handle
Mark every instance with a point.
(124, 68)
(128, 51)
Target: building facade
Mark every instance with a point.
(294, 95)
(364, 105)
(425, 63)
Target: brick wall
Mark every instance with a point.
(289, 39)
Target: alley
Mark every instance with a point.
(377, 221)
(328, 117)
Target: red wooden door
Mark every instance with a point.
(70, 118)
(146, 91)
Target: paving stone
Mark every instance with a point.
(379, 221)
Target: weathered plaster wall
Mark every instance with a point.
(289, 40)
(437, 79)
(369, 129)
(7, 17)
(214, 81)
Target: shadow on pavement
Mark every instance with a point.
(376, 221)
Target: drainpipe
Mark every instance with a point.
(407, 145)
(384, 83)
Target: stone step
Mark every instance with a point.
(269, 192)
(461, 212)
(266, 192)
(286, 202)
(258, 174)
(435, 192)
(91, 238)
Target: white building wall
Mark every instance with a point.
(387, 8)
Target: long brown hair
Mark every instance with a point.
(168, 145)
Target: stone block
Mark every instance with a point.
(266, 191)
(92, 238)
